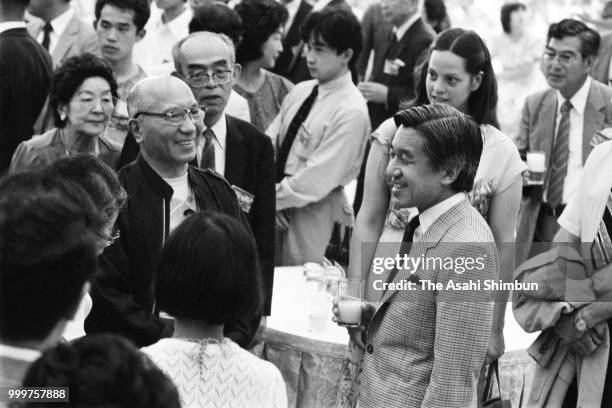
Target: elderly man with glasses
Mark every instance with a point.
(232, 147)
(163, 189)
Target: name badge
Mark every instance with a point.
(245, 199)
(601, 136)
(392, 67)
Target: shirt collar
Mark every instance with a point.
(19, 353)
(334, 84)
(401, 30)
(220, 131)
(179, 26)
(579, 99)
(430, 215)
(9, 25)
(60, 22)
(320, 5)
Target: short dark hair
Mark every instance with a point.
(452, 140)
(338, 27)
(141, 9)
(217, 18)
(589, 38)
(506, 14)
(437, 17)
(261, 18)
(71, 74)
(47, 252)
(482, 103)
(208, 270)
(103, 370)
(96, 178)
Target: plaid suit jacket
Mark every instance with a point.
(425, 348)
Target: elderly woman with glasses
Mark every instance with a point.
(82, 97)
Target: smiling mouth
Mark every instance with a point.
(439, 100)
(185, 142)
(396, 187)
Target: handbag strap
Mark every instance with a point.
(493, 370)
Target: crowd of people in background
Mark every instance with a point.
(159, 159)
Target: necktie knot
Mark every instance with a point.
(566, 107)
(47, 28)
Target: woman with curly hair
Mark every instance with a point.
(82, 97)
(260, 47)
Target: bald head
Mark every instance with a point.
(151, 90)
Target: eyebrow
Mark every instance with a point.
(202, 66)
(548, 47)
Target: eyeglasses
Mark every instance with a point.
(564, 59)
(110, 240)
(88, 102)
(200, 78)
(176, 117)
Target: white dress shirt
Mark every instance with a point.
(59, 24)
(574, 160)
(430, 215)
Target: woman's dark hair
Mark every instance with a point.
(482, 103)
(47, 252)
(261, 19)
(506, 14)
(217, 18)
(435, 10)
(103, 370)
(451, 140)
(71, 74)
(208, 270)
(96, 178)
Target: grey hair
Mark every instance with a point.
(177, 56)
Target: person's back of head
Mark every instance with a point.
(103, 370)
(208, 270)
(99, 181)
(452, 140)
(217, 18)
(47, 255)
(13, 10)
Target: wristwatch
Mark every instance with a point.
(580, 324)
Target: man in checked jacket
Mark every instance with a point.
(425, 347)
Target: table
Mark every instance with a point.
(311, 362)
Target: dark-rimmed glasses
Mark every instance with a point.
(201, 78)
(177, 116)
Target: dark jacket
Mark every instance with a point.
(25, 74)
(290, 63)
(401, 86)
(249, 164)
(123, 292)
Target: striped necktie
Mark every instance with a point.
(208, 151)
(560, 156)
(601, 250)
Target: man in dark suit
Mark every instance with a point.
(561, 122)
(234, 148)
(60, 31)
(392, 70)
(376, 34)
(290, 63)
(25, 74)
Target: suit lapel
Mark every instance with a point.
(593, 118)
(430, 239)
(68, 38)
(235, 156)
(406, 40)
